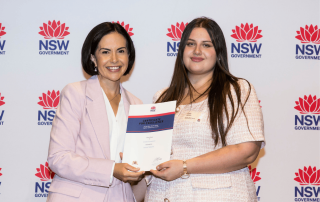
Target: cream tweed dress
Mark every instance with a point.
(194, 138)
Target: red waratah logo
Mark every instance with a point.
(54, 30)
(309, 34)
(0, 173)
(308, 176)
(308, 104)
(153, 109)
(49, 100)
(1, 30)
(254, 174)
(1, 100)
(126, 27)
(44, 172)
(246, 33)
(175, 32)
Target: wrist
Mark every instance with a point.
(185, 173)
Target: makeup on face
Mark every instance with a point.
(199, 55)
(112, 56)
(197, 59)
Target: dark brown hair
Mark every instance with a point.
(220, 88)
(90, 45)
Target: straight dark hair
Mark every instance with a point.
(220, 88)
(90, 45)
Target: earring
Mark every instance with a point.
(95, 69)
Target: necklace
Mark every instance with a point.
(114, 97)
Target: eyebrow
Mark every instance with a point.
(202, 41)
(110, 49)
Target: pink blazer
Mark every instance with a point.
(79, 151)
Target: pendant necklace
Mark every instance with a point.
(113, 97)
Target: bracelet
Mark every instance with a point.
(185, 174)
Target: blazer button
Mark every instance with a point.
(166, 200)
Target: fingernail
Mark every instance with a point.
(158, 167)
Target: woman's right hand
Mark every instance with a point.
(123, 172)
(126, 172)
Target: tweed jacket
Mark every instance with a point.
(192, 139)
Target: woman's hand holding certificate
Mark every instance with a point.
(169, 170)
(122, 172)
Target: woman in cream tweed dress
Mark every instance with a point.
(218, 127)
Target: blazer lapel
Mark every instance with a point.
(98, 114)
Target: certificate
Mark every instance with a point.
(149, 135)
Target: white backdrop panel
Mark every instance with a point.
(277, 76)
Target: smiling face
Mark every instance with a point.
(111, 57)
(199, 55)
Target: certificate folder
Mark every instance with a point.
(149, 135)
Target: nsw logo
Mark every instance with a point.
(1, 100)
(309, 38)
(1, 111)
(309, 179)
(175, 33)
(309, 108)
(255, 178)
(0, 174)
(3, 42)
(49, 102)
(54, 30)
(45, 174)
(153, 109)
(246, 35)
(126, 27)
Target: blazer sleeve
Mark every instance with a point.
(62, 157)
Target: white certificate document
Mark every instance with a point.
(149, 135)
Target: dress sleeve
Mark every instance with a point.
(248, 125)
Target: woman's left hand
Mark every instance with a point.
(169, 170)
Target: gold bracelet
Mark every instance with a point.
(185, 174)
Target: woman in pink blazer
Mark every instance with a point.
(84, 139)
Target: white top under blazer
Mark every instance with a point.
(117, 130)
(192, 139)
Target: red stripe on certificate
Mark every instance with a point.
(155, 115)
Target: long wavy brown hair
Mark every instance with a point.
(220, 88)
